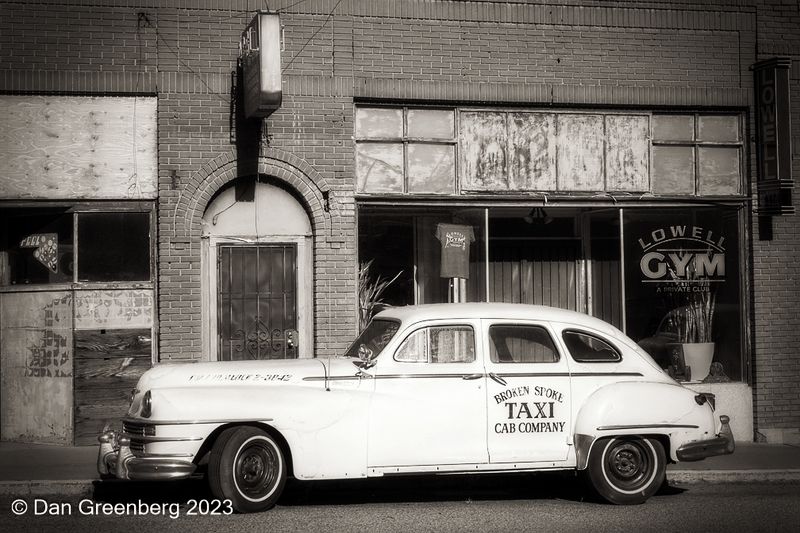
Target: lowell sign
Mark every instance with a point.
(773, 137)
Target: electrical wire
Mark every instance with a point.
(327, 19)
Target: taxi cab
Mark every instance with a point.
(443, 388)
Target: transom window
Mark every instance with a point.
(521, 344)
(697, 154)
(402, 150)
(586, 348)
(439, 344)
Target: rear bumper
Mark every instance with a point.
(722, 444)
(116, 459)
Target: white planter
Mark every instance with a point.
(698, 356)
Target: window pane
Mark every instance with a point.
(414, 349)
(718, 170)
(379, 167)
(379, 123)
(589, 349)
(430, 124)
(113, 246)
(682, 282)
(431, 168)
(673, 128)
(673, 170)
(521, 344)
(452, 345)
(720, 128)
(37, 247)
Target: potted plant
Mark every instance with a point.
(370, 293)
(693, 324)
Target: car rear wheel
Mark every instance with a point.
(627, 470)
(248, 468)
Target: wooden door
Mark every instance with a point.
(257, 301)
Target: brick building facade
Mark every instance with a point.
(563, 59)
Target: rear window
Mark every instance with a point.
(587, 348)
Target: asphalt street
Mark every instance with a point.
(519, 502)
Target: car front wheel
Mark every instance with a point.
(628, 469)
(248, 468)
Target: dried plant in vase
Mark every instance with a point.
(694, 320)
(370, 292)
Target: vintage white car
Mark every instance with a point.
(449, 388)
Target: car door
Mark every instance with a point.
(429, 404)
(527, 392)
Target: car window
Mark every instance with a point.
(373, 339)
(438, 344)
(586, 348)
(521, 344)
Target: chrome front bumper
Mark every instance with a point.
(116, 458)
(722, 444)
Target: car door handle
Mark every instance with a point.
(498, 379)
(472, 376)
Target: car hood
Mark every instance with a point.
(243, 373)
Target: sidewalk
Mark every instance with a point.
(44, 469)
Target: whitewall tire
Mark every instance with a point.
(627, 469)
(247, 467)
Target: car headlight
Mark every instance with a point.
(147, 405)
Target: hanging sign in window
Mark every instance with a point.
(46, 251)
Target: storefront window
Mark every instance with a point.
(113, 246)
(37, 246)
(683, 284)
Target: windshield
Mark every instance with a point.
(373, 339)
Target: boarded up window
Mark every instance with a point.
(532, 151)
(484, 142)
(627, 153)
(68, 147)
(580, 152)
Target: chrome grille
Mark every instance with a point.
(137, 447)
(138, 429)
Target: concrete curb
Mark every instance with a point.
(85, 487)
(733, 476)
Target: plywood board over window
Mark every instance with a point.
(36, 353)
(67, 147)
(532, 151)
(484, 146)
(580, 152)
(627, 152)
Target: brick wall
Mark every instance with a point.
(564, 52)
(776, 262)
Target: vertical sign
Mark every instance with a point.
(773, 137)
(260, 54)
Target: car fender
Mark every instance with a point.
(325, 428)
(642, 408)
